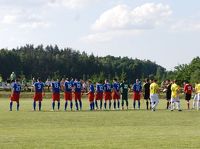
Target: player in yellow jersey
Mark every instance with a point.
(195, 96)
(198, 95)
(175, 96)
(154, 90)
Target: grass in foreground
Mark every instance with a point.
(99, 129)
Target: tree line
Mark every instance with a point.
(52, 62)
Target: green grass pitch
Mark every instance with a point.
(130, 129)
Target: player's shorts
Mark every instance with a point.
(136, 96)
(188, 96)
(195, 97)
(124, 96)
(91, 96)
(37, 96)
(146, 96)
(168, 97)
(175, 99)
(154, 98)
(99, 96)
(68, 96)
(107, 96)
(115, 96)
(15, 97)
(56, 96)
(77, 95)
(198, 96)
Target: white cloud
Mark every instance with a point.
(72, 4)
(186, 25)
(124, 21)
(21, 18)
(9, 19)
(146, 16)
(108, 36)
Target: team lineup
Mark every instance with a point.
(109, 95)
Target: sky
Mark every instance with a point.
(164, 31)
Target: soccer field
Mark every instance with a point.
(98, 129)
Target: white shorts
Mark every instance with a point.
(154, 97)
(195, 97)
(176, 99)
(198, 97)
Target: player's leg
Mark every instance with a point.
(188, 104)
(126, 103)
(53, 104)
(172, 104)
(139, 104)
(178, 104)
(11, 104)
(194, 101)
(187, 98)
(110, 103)
(122, 103)
(40, 105)
(17, 105)
(34, 105)
(76, 104)
(80, 104)
(90, 105)
(114, 104)
(71, 105)
(105, 104)
(58, 104)
(96, 104)
(101, 103)
(167, 104)
(66, 104)
(134, 102)
(152, 97)
(118, 103)
(156, 102)
(198, 101)
(147, 104)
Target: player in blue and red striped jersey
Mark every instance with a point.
(55, 87)
(68, 93)
(99, 95)
(107, 94)
(38, 96)
(137, 89)
(77, 94)
(91, 95)
(116, 93)
(16, 89)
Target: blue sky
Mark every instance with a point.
(164, 31)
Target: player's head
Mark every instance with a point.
(39, 79)
(137, 81)
(67, 79)
(106, 80)
(167, 81)
(155, 80)
(175, 81)
(89, 81)
(17, 79)
(115, 80)
(146, 80)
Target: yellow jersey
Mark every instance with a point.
(197, 88)
(154, 88)
(175, 90)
